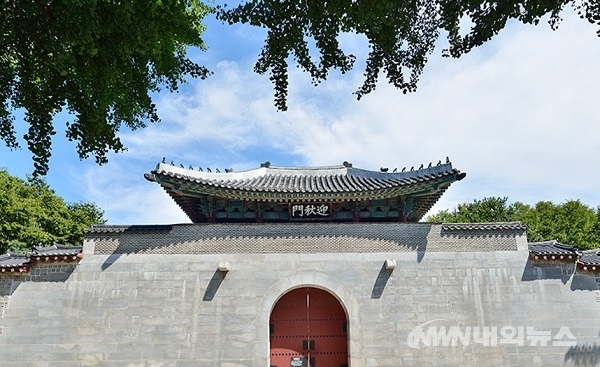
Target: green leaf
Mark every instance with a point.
(32, 214)
(99, 60)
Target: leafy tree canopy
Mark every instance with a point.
(401, 34)
(32, 214)
(571, 223)
(98, 60)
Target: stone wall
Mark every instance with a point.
(305, 238)
(155, 302)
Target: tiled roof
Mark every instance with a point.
(501, 226)
(552, 251)
(317, 180)
(191, 189)
(589, 262)
(57, 250)
(551, 248)
(12, 260)
(590, 258)
(131, 229)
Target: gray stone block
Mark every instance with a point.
(176, 309)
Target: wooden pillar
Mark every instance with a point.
(402, 217)
(258, 214)
(401, 210)
(212, 217)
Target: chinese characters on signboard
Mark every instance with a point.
(310, 211)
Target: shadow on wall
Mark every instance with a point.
(213, 285)
(264, 238)
(380, 282)
(39, 273)
(211, 289)
(583, 282)
(547, 271)
(564, 272)
(583, 355)
(295, 237)
(8, 286)
(110, 260)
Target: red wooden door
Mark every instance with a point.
(308, 329)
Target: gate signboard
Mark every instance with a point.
(310, 211)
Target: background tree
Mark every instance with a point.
(401, 34)
(493, 209)
(32, 214)
(571, 223)
(98, 60)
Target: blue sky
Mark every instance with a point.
(519, 115)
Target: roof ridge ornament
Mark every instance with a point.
(284, 185)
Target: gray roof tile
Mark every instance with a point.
(304, 180)
(21, 263)
(590, 258)
(12, 260)
(551, 248)
(500, 226)
(190, 189)
(131, 229)
(56, 250)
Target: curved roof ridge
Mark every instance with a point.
(291, 184)
(300, 171)
(547, 242)
(400, 175)
(483, 226)
(137, 228)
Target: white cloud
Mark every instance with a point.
(127, 198)
(519, 116)
(522, 122)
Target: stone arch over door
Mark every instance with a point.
(308, 327)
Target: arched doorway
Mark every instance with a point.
(308, 328)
